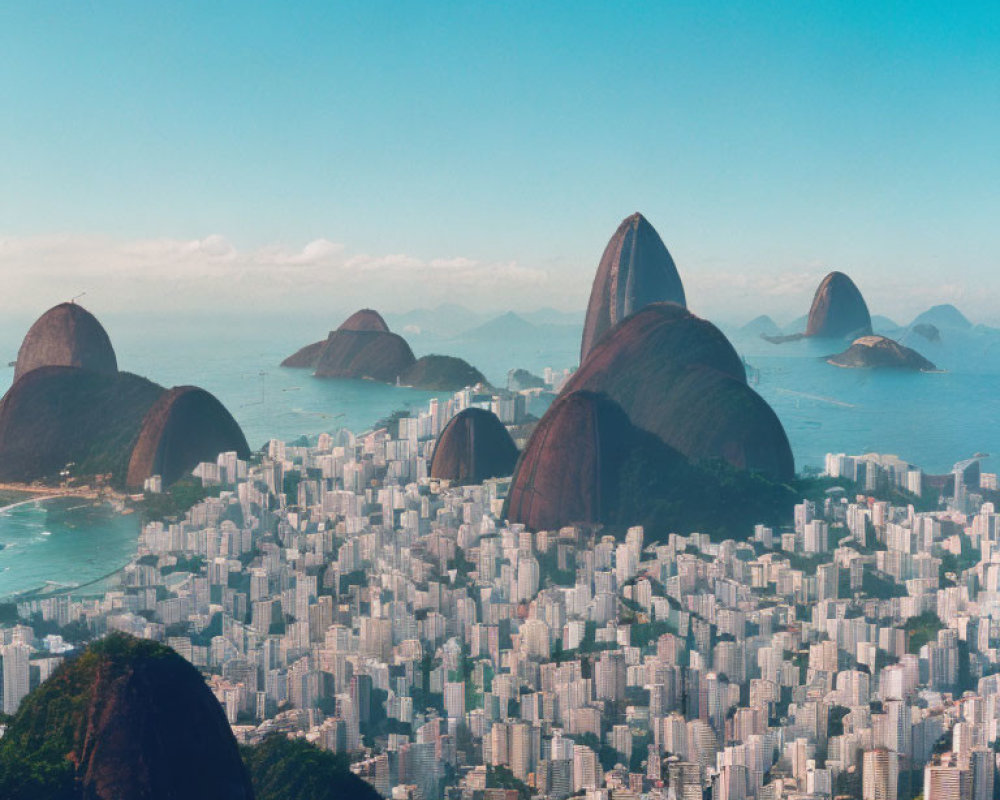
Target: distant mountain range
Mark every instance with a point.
(452, 321)
(944, 317)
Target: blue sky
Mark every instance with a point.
(406, 153)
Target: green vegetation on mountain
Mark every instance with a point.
(127, 718)
(286, 769)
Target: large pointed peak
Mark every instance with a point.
(635, 270)
(838, 309)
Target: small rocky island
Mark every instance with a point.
(363, 348)
(880, 352)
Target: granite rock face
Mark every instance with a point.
(129, 718)
(435, 373)
(677, 377)
(55, 416)
(473, 446)
(880, 352)
(66, 335)
(570, 469)
(838, 310)
(84, 417)
(185, 426)
(635, 270)
(372, 355)
(362, 347)
(367, 319)
(586, 464)
(307, 357)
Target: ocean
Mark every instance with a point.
(930, 419)
(63, 542)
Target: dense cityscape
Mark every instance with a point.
(335, 592)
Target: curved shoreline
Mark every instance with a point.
(30, 500)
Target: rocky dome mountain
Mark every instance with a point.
(838, 309)
(367, 319)
(128, 718)
(184, 427)
(66, 335)
(439, 373)
(677, 376)
(473, 446)
(363, 347)
(880, 352)
(635, 270)
(587, 464)
(54, 416)
(372, 355)
(571, 469)
(89, 416)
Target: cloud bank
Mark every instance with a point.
(213, 274)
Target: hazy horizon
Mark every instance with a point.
(193, 159)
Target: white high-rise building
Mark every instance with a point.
(16, 675)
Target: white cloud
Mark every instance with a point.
(199, 274)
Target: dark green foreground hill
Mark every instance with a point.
(129, 718)
(283, 769)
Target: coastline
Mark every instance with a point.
(63, 578)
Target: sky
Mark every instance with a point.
(267, 157)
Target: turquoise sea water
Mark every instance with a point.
(932, 420)
(67, 541)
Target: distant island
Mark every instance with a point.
(363, 348)
(838, 311)
(880, 352)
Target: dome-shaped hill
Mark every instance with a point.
(66, 336)
(367, 319)
(127, 719)
(375, 355)
(645, 364)
(570, 469)
(473, 446)
(585, 463)
(838, 309)
(54, 416)
(186, 426)
(651, 343)
(441, 374)
(707, 415)
(635, 270)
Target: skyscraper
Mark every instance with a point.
(16, 675)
